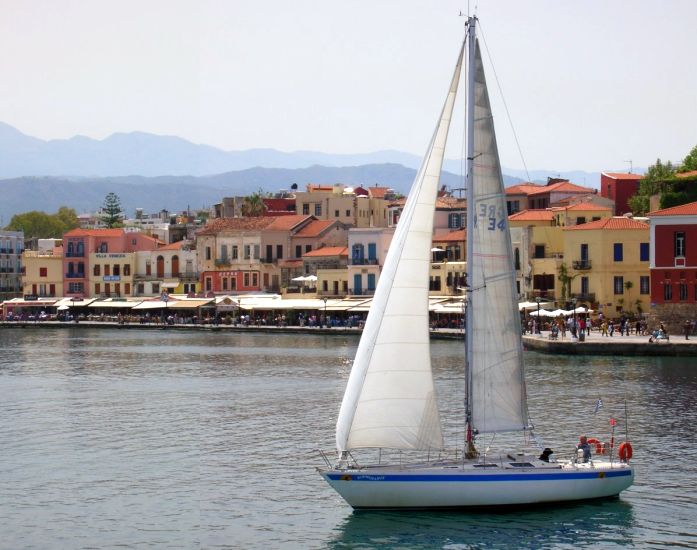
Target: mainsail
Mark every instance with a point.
(390, 398)
(496, 378)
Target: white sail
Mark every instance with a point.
(498, 400)
(390, 398)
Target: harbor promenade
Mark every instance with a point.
(594, 344)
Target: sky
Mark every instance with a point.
(589, 85)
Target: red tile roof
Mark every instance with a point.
(533, 215)
(172, 246)
(235, 224)
(327, 251)
(582, 206)
(562, 187)
(286, 223)
(690, 174)
(523, 189)
(378, 192)
(614, 223)
(689, 209)
(456, 235)
(94, 233)
(315, 228)
(451, 202)
(622, 176)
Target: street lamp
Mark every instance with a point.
(537, 325)
(325, 310)
(573, 305)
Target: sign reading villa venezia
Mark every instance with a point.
(109, 256)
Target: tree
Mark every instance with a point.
(111, 211)
(628, 285)
(565, 280)
(689, 163)
(652, 183)
(40, 225)
(253, 205)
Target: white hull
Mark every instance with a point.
(458, 485)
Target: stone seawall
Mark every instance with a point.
(617, 346)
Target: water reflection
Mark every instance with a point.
(607, 523)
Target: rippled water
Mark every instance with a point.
(183, 440)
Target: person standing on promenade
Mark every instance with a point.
(603, 329)
(687, 328)
(611, 328)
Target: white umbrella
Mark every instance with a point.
(299, 279)
(558, 312)
(436, 249)
(62, 308)
(311, 278)
(542, 313)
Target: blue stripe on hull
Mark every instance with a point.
(478, 478)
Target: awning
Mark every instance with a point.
(189, 304)
(119, 304)
(74, 303)
(169, 285)
(151, 304)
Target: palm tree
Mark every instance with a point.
(253, 205)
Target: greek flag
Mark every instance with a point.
(598, 405)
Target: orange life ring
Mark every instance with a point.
(597, 443)
(625, 451)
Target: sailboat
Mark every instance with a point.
(390, 403)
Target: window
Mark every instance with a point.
(43, 272)
(336, 213)
(539, 251)
(372, 252)
(246, 279)
(513, 207)
(255, 279)
(224, 281)
(97, 288)
(644, 287)
(279, 251)
(318, 209)
(107, 270)
(107, 288)
(140, 289)
(619, 285)
(97, 270)
(208, 253)
(680, 243)
(644, 252)
(348, 213)
(117, 289)
(667, 291)
(127, 289)
(682, 288)
(584, 286)
(580, 220)
(306, 209)
(517, 259)
(156, 288)
(126, 269)
(148, 267)
(454, 220)
(618, 252)
(371, 281)
(298, 251)
(52, 289)
(308, 248)
(223, 252)
(247, 252)
(209, 284)
(235, 253)
(117, 269)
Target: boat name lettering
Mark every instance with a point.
(369, 478)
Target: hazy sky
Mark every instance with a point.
(589, 84)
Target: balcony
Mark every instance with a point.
(222, 262)
(581, 265)
(74, 254)
(74, 275)
(364, 261)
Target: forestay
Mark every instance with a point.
(498, 400)
(390, 398)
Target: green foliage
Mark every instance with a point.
(689, 163)
(40, 225)
(253, 205)
(565, 280)
(111, 211)
(653, 182)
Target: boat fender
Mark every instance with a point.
(598, 445)
(625, 451)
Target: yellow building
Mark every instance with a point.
(111, 274)
(355, 207)
(608, 264)
(43, 273)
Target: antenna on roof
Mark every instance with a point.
(631, 167)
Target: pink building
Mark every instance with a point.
(78, 244)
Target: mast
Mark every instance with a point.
(471, 23)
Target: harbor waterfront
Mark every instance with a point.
(593, 344)
(185, 439)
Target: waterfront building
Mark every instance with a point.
(43, 269)
(607, 263)
(111, 274)
(11, 248)
(313, 236)
(448, 266)
(450, 213)
(619, 187)
(330, 265)
(540, 251)
(367, 251)
(171, 268)
(674, 263)
(80, 249)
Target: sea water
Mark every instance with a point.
(168, 439)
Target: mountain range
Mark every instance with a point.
(153, 172)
